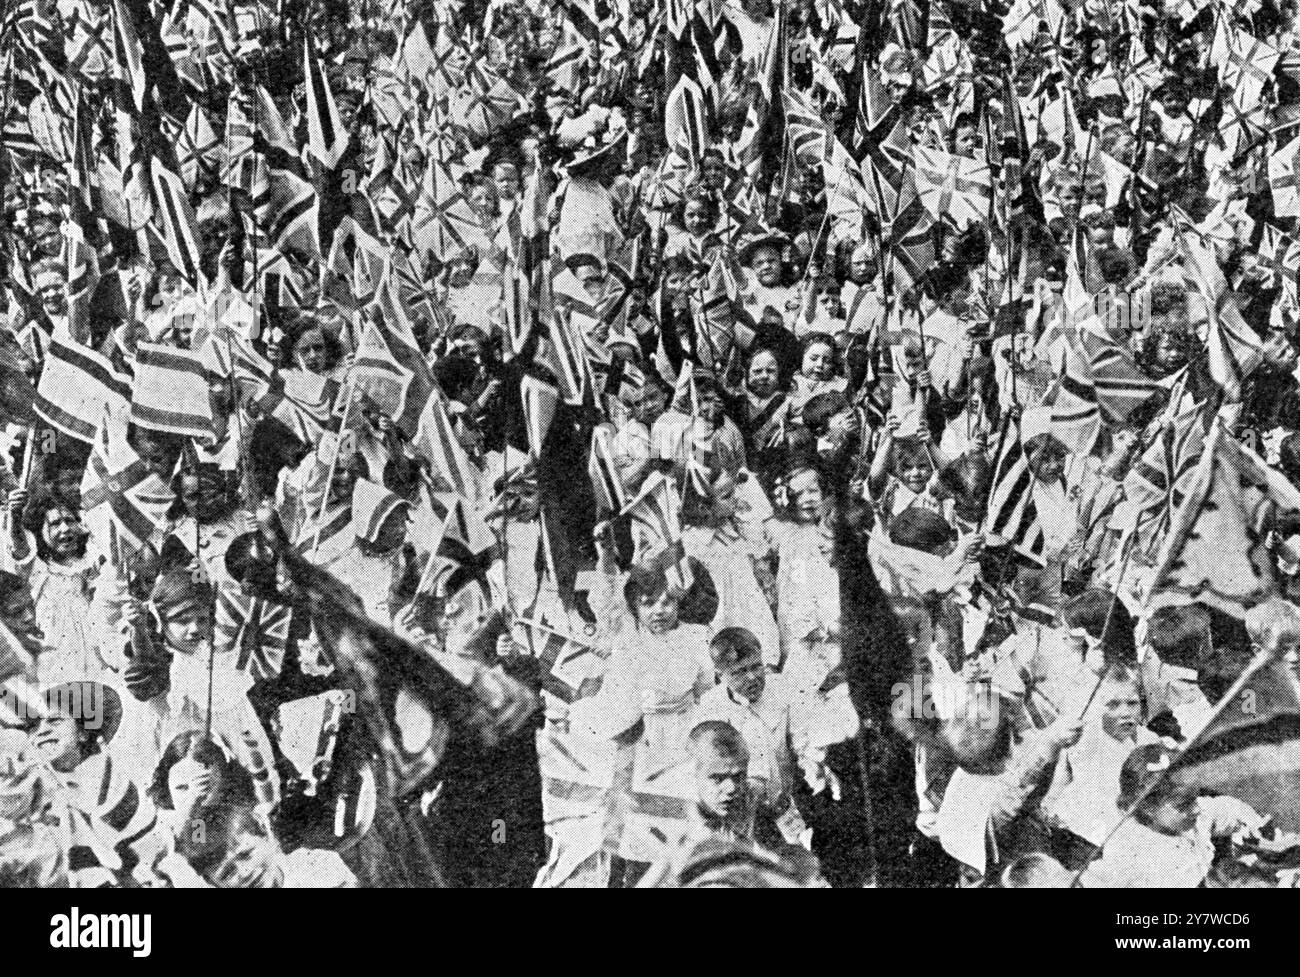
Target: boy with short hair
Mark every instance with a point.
(756, 704)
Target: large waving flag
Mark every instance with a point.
(76, 386)
(1216, 550)
(1250, 746)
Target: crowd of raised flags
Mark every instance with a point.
(840, 443)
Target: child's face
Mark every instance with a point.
(1174, 103)
(817, 362)
(1047, 462)
(806, 496)
(1173, 814)
(189, 629)
(914, 361)
(658, 614)
(56, 738)
(697, 217)
(764, 375)
(965, 141)
(725, 503)
(1121, 710)
(746, 679)
(252, 862)
(830, 303)
(914, 470)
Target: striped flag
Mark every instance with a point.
(529, 299)
(435, 440)
(610, 497)
(176, 219)
(76, 386)
(128, 57)
(170, 392)
(566, 356)
(689, 82)
(1012, 516)
(327, 140)
(540, 399)
(85, 246)
(571, 669)
(120, 496)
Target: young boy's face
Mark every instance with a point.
(722, 783)
(1121, 710)
(746, 679)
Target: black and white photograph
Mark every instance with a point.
(508, 444)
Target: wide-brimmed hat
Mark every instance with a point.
(767, 239)
(600, 162)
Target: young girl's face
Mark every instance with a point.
(1173, 814)
(189, 629)
(806, 496)
(696, 217)
(658, 614)
(1047, 462)
(818, 362)
(190, 783)
(914, 470)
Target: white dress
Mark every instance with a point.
(728, 553)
